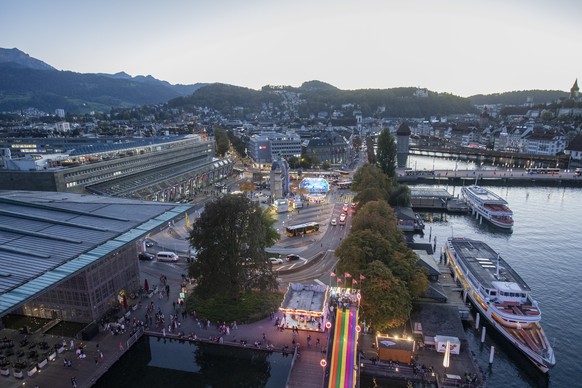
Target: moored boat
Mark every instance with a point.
(488, 205)
(502, 297)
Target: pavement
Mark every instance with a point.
(88, 370)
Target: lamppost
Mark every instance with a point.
(323, 364)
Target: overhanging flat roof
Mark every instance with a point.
(34, 256)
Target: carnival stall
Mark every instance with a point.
(304, 307)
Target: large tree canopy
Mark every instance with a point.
(386, 153)
(231, 236)
(376, 216)
(385, 300)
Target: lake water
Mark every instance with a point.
(545, 248)
(159, 362)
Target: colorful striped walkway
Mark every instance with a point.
(342, 373)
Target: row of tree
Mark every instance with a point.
(376, 248)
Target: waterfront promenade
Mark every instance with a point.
(306, 371)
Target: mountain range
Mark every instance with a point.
(27, 82)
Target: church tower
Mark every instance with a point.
(575, 91)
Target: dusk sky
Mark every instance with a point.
(462, 47)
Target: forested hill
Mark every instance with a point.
(518, 97)
(314, 96)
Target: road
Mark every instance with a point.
(310, 270)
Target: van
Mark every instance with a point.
(167, 256)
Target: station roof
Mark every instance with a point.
(45, 237)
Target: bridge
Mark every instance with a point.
(490, 157)
(508, 177)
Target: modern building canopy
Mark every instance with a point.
(49, 237)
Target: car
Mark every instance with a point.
(149, 243)
(275, 260)
(333, 221)
(167, 256)
(146, 256)
(345, 208)
(342, 220)
(353, 205)
(293, 257)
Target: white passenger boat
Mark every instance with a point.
(488, 205)
(502, 297)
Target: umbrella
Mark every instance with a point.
(146, 286)
(124, 302)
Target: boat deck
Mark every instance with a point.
(483, 195)
(481, 262)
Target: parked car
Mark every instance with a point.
(292, 257)
(333, 221)
(146, 256)
(275, 260)
(353, 205)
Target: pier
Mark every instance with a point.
(428, 198)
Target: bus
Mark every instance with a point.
(296, 230)
(543, 170)
(281, 205)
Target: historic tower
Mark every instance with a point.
(575, 91)
(402, 141)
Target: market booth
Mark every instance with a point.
(305, 307)
(395, 348)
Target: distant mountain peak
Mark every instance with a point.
(14, 55)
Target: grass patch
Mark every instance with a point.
(251, 307)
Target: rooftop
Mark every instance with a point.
(47, 236)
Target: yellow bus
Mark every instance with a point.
(296, 230)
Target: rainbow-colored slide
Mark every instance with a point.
(342, 372)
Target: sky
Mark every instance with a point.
(463, 47)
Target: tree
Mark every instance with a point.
(370, 150)
(222, 143)
(231, 236)
(246, 186)
(360, 249)
(386, 153)
(399, 195)
(326, 165)
(294, 162)
(376, 216)
(357, 142)
(385, 301)
(370, 176)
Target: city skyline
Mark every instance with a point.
(453, 46)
